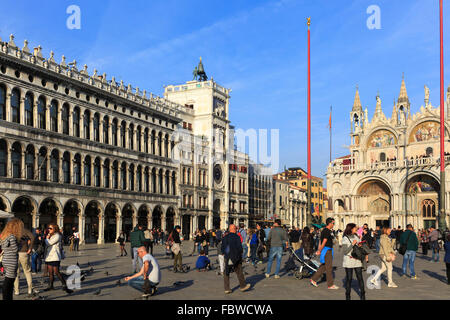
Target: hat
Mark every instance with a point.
(177, 227)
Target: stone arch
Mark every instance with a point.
(24, 207)
(129, 213)
(365, 143)
(143, 215)
(112, 211)
(73, 208)
(5, 204)
(412, 128)
(92, 213)
(358, 185)
(49, 211)
(170, 219)
(157, 215)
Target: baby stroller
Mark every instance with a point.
(307, 267)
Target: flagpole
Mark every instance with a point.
(442, 222)
(331, 110)
(309, 211)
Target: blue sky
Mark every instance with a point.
(258, 49)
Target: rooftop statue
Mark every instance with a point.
(199, 72)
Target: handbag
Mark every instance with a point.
(357, 251)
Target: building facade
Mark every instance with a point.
(281, 202)
(82, 151)
(392, 174)
(297, 206)
(260, 193)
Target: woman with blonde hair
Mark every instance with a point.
(53, 255)
(387, 255)
(10, 250)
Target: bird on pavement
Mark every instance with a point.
(97, 292)
(106, 273)
(118, 282)
(78, 265)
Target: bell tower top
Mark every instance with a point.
(199, 72)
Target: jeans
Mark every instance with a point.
(137, 283)
(348, 282)
(447, 265)
(410, 256)
(135, 259)
(253, 249)
(435, 253)
(76, 243)
(377, 245)
(245, 253)
(36, 263)
(278, 252)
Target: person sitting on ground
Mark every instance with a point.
(150, 275)
(203, 263)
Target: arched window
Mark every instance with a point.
(146, 141)
(77, 169)
(54, 116)
(139, 178)
(15, 106)
(65, 119)
(122, 135)
(131, 177)
(147, 180)
(167, 183)
(428, 209)
(96, 126)
(429, 152)
(76, 122)
(2, 103)
(87, 171)
(106, 174)
(97, 172)
(3, 158)
(138, 139)
(41, 113)
(114, 132)
(153, 140)
(42, 164)
(54, 165)
(115, 175)
(123, 176)
(382, 157)
(87, 124)
(29, 109)
(166, 146)
(160, 181)
(16, 154)
(106, 130)
(66, 167)
(130, 136)
(154, 180)
(160, 144)
(174, 187)
(29, 162)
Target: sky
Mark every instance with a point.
(259, 50)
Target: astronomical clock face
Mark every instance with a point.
(218, 174)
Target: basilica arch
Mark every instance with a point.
(373, 201)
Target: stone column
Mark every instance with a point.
(82, 182)
(60, 219)
(81, 124)
(135, 219)
(81, 227)
(35, 111)
(110, 175)
(102, 182)
(135, 147)
(70, 119)
(22, 165)
(100, 129)
(110, 139)
(118, 225)
(36, 164)
(8, 94)
(127, 142)
(60, 168)
(59, 117)
(101, 228)
(149, 221)
(163, 221)
(91, 126)
(22, 110)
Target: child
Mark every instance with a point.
(203, 263)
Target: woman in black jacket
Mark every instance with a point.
(307, 242)
(205, 241)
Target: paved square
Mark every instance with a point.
(208, 285)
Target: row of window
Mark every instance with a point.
(59, 167)
(83, 125)
(187, 177)
(188, 202)
(242, 206)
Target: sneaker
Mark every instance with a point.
(228, 291)
(17, 293)
(267, 275)
(277, 276)
(415, 278)
(333, 287)
(404, 276)
(374, 281)
(260, 262)
(246, 287)
(392, 285)
(313, 283)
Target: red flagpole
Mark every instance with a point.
(309, 214)
(442, 221)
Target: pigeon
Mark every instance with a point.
(91, 270)
(83, 277)
(97, 292)
(106, 273)
(118, 282)
(78, 265)
(38, 298)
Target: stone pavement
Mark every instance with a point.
(432, 284)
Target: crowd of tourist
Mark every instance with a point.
(235, 247)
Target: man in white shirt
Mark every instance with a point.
(150, 275)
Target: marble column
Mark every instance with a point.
(101, 228)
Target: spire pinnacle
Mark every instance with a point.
(357, 102)
(403, 96)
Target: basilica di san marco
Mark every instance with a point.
(391, 176)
